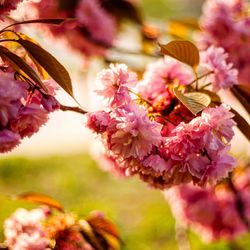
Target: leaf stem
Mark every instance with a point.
(199, 77)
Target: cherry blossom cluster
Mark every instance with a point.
(93, 30)
(23, 109)
(213, 212)
(147, 131)
(42, 229)
(226, 24)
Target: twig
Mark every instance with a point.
(74, 109)
(240, 207)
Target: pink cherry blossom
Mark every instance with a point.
(136, 134)
(156, 80)
(224, 75)
(226, 24)
(8, 140)
(24, 230)
(91, 34)
(11, 93)
(113, 84)
(212, 212)
(29, 120)
(220, 119)
(98, 121)
(96, 21)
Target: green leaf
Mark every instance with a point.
(41, 199)
(18, 63)
(194, 101)
(54, 68)
(242, 124)
(183, 51)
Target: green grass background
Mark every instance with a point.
(141, 214)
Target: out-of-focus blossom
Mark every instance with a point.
(7, 5)
(114, 83)
(24, 230)
(224, 76)
(91, 34)
(226, 24)
(98, 23)
(212, 212)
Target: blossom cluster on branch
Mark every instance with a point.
(23, 109)
(148, 132)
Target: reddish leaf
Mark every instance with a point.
(89, 235)
(40, 198)
(102, 225)
(183, 51)
(54, 68)
(18, 63)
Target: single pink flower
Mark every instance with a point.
(136, 134)
(224, 76)
(98, 121)
(29, 120)
(114, 83)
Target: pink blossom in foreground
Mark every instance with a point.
(164, 147)
(156, 80)
(212, 212)
(8, 140)
(114, 83)
(98, 121)
(226, 24)
(136, 134)
(24, 230)
(224, 76)
(29, 120)
(23, 110)
(197, 148)
(11, 93)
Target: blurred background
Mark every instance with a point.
(56, 161)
